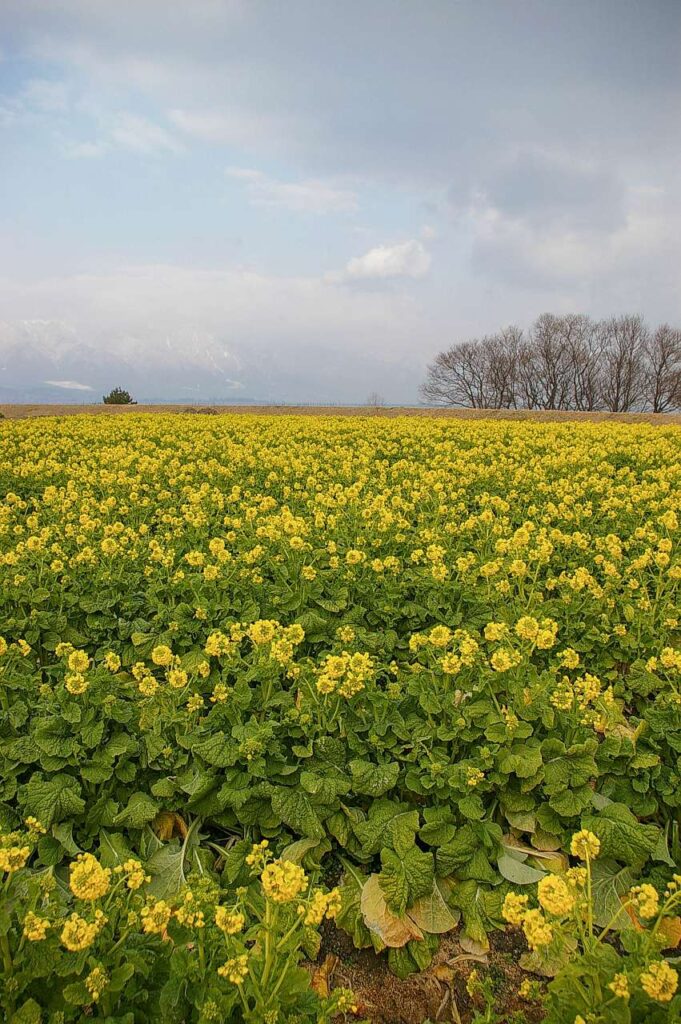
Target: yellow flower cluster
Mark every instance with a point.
(13, 858)
(646, 900)
(660, 981)
(283, 881)
(156, 917)
(79, 934)
(231, 922)
(555, 895)
(89, 880)
(235, 969)
(345, 674)
(585, 845)
(321, 905)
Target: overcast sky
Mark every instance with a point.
(306, 200)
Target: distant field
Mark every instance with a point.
(18, 412)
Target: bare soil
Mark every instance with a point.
(437, 995)
(14, 412)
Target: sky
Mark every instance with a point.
(236, 200)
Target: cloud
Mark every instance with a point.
(309, 196)
(557, 189)
(167, 327)
(127, 131)
(70, 385)
(405, 259)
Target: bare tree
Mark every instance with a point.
(624, 339)
(457, 377)
(550, 362)
(564, 362)
(583, 343)
(375, 400)
(504, 352)
(662, 374)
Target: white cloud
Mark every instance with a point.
(406, 259)
(142, 135)
(70, 385)
(249, 128)
(308, 196)
(126, 131)
(163, 327)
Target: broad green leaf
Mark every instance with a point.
(296, 811)
(517, 871)
(431, 914)
(610, 882)
(373, 779)
(405, 877)
(622, 836)
(54, 800)
(141, 808)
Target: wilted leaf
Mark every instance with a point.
(168, 824)
(393, 931)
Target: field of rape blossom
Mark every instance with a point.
(263, 679)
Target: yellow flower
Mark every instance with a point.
(35, 927)
(646, 900)
(195, 702)
(554, 895)
(527, 628)
(162, 655)
(228, 921)
(262, 631)
(155, 917)
(620, 986)
(76, 683)
(89, 880)
(585, 845)
(135, 876)
(515, 907)
(538, 931)
(78, 661)
(35, 827)
(3, 646)
(78, 934)
(283, 881)
(177, 678)
(112, 662)
(96, 982)
(577, 876)
(660, 981)
(235, 969)
(13, 858)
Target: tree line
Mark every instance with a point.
(563, 362)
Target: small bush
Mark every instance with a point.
(118, 396)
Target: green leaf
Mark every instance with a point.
(517, 871)
(523, 760)
(371, 779)
(296, 811)
(431, 914)
(405, 877)
(610, 881)
(349, 917)
(141, 809)
(373, 831)
(571, 767)
(622, 836)
(571, 802)
(166, 868)
(52, 801)
(29, 1013)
